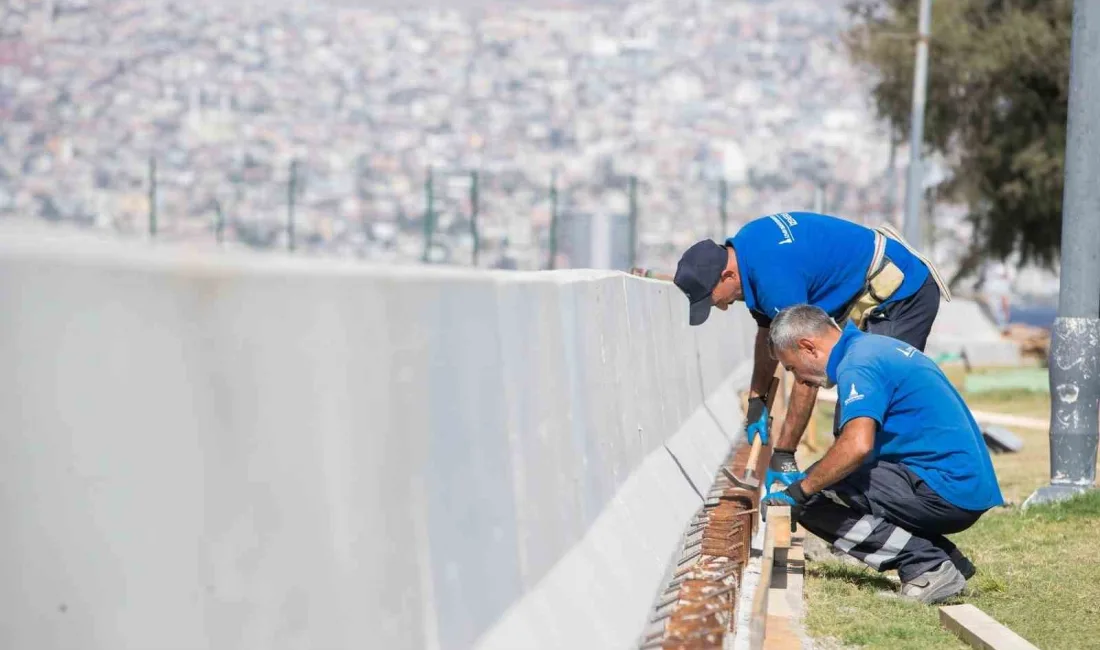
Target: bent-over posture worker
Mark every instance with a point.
(848, 270)
(909, 465)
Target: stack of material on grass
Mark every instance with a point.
(1034, 342)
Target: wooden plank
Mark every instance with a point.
(779, 521)
(785, 604)
(980, 630)
(758, 620)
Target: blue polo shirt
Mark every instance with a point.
(924, 423)
(794, 258)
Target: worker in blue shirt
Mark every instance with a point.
(909, 466)
(869, 276)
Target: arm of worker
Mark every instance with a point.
(864, 392)
(851, 448)
(862, 410)
(763, 365)
(763, 368)
(855, 443)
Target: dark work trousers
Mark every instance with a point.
(886, 516)
(909, 320)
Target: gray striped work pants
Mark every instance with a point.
(889, 518)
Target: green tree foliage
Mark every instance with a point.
(998, 89)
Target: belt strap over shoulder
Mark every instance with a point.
(887, 230)
(877, 259)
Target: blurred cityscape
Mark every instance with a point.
(754, 101)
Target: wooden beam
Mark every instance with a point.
(779, 522)
(980, 630)
(758, 620)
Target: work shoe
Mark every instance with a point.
(936, 585)
(963, 564)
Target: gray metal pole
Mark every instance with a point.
(1075, 339)
(916, 128)
(152, 196)
(429, 214)
(553, 221)
(291, 195)
(723, 213)
(219, 223)
(633, 252)
(474, 209)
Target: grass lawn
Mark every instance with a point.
(1037, 570)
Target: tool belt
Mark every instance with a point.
(884, 277)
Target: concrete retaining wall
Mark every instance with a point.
(261, 452)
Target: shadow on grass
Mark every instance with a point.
(858, 576)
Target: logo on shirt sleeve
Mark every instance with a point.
(853, 396)
(908, 351)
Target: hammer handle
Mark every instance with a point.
(754, 453)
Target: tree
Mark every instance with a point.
(998, 90)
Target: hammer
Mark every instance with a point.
(751, 481)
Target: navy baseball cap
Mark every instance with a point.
(697, 275)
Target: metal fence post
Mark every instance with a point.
(633, 221)
(553, 221)
(723, 214)
(429, 214)
(474, 209)
(219, 223)
(152, 196)
(291, 195)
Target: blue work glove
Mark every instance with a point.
(782, 469)
(757, 420)
(792, 496)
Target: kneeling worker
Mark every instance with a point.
(909, 465)
(871, 277)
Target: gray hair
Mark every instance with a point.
(798, 322)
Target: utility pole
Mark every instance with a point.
(429, 215)
(1074, 352)
(633, 252)
(553, 221)
(916, 129)
(291, 194)
(473, 216)
(152, 196)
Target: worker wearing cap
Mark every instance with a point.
(909, 465)
(871, 277)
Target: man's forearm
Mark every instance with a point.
(855, 442)
(763, 368)
(799, 410)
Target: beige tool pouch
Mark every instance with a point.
(884, 277)
(879, 289)
(882, 280)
